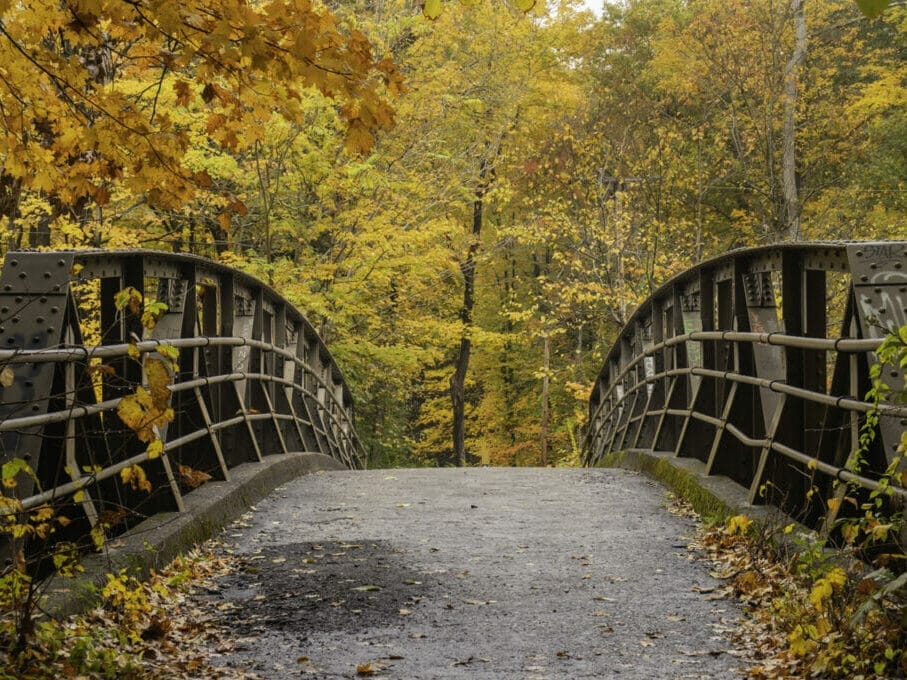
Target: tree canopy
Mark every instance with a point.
(476, 191)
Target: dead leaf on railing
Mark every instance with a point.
(193, 478)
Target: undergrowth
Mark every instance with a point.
(812, 613)
(142, 629)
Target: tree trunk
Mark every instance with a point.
(789, 159)
(468, 267)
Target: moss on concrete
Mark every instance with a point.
(713, 497)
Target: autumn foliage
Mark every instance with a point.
(100, 96)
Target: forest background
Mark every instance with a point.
(467, 200)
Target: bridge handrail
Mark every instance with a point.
(693, 372)
(69, 354)
(252, 379)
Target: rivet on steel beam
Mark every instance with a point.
(40, 319)
(61, 263)
(873, 266)
(894, 374)
(35, 340)
(859, 253)
(864, 278)
(2, 329)
(17, 319)
(42, 299)
(18, 297)
(23, 275)
(4, 310)
(898, 265)
(54, 310)
(57, 287)
(882, 311)
(50, 329)
(10, 341)
(47, 275)
(29, 383)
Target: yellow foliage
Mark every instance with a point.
(134, 476)
(824, 588)
(738, 524)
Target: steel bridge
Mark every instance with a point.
(251, 379)
(755, 364)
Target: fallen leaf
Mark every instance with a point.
(7, 377)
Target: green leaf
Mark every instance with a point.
(13, 467)
(873, 8)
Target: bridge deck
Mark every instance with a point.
(478, 573)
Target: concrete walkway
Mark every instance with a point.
(475, 573)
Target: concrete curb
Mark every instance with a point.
(715, 497)
(156, 541)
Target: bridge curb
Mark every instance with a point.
(156, 541)
(714, 497)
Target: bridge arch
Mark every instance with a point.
(756, 364)
(252, 379)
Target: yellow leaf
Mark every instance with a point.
(833, 504)
(739, 524)
(134, 476)
(128, 297)
(97, 536)
(133, 351)
(837, 577)
(7, 376)
(155, 449)
(79, 496)
(358, 138)
(524, 5)
(820, 593)
(158, 382)
(432, 9)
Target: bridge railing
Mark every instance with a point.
(757, 363)
(251, 378)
